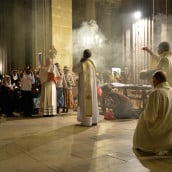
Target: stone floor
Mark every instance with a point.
(59, 144)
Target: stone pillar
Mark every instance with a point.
(17, 46)
(62, 31)
(90, 10)
(41, 33)
(107, 7)
(4, 32)
(110, 25)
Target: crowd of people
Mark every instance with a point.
(44, 92)
(16, 92)
(53, 87)
(47, 91)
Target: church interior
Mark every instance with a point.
(115, 31)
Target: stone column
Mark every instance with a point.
(41, 33)
(90, 10)
(110, 19)
(4, 32)
(62, 31)
(107, 7)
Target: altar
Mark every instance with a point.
(138, 93)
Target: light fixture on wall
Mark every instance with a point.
(137, 15)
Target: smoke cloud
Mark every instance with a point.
(108, 53)
(89, 36)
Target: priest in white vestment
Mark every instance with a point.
(48, 99)
(154, 129)
(162, 61)
(88, 113)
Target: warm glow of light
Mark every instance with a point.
(137, 15)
